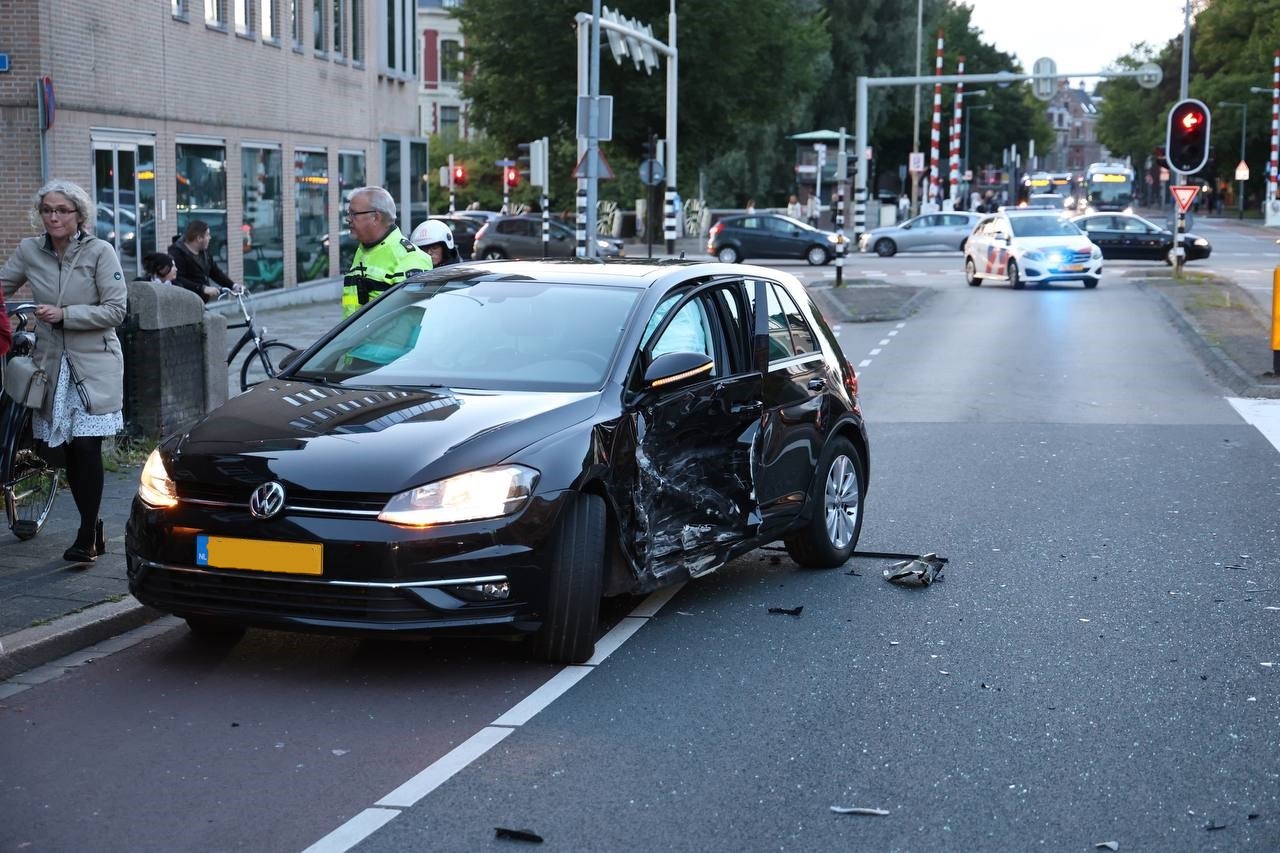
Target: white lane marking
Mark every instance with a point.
(885, 342)
(895, 331)
(880, 348)
(444, 768)
(864, 362)
(875, 351)
(875, 274)
(353, 831)
(1263, 414)
(558, 685)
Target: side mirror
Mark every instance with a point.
(673, 369)
(1001, 236)
(289, 359)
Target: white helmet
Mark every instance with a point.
(431, 232)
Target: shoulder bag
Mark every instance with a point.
(24, 382)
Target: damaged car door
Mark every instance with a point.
(692, 504)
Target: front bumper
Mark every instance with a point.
(1048, 271)
(375, 577)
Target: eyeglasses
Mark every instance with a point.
(57, 211)
(352, 214)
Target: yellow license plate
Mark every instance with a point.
(1073, 267)
(259, 555)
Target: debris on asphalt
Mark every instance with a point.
(1108, 845)
(1213, 825)
(787, 611)
(854, 572)
(859, 810)
(517, 835)
(921, 571)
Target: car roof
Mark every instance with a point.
(624, 272)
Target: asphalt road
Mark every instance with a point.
(1095, 667)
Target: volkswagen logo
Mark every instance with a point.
(267, 500)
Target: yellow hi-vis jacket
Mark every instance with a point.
(376, 268)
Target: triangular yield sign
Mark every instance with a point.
(1184, 196)
(604, 171)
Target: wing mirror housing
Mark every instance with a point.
(677, 369)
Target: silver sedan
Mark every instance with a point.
(928, 231)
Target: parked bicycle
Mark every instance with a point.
(264, 356)
(29, 482)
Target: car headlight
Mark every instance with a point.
(1200, 241)
(487, 493)
(603, 244)
(1034, 256)
(833, 238)
(154, 486)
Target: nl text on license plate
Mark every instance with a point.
(259, 555)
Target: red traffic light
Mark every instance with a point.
(459, 176)
(511, 176)
(1187, 136)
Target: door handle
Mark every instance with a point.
(817, 384)
(746, 408)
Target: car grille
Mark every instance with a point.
(1081, 257)
(180, 591)
(237, 494)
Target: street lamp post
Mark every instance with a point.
(1244, 121)
(968, 120)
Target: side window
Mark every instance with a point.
(802, 340)
(688, 331)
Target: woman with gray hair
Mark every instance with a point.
(79, 288)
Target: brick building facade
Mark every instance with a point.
(254, 115)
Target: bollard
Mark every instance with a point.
(1275, 321)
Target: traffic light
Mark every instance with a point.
(533, 161)
(1187, 140)
(511, 176)
(459, 175)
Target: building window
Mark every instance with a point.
(357, 32)
(450, 61)
(179, 9)
(399, 58)
(391, 171)
(311, 201)
(351, 175)
(338, 18)
(419, 183)
(201, 176)
(262, 232)
(295, 23)
(215, 13)
(317, 24)
(244, 17)
(449, 122)
(270, 14)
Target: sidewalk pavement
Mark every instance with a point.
(48, 610)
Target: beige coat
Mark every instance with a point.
(89, 286)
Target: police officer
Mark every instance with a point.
(384, 255)
(436, 239)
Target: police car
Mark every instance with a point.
(1030, 247)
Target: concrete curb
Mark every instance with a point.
(31, 647)
(1221, 365)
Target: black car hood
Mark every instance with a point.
(378, 441)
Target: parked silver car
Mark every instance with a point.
(927, 231)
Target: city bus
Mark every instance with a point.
(1108, 186)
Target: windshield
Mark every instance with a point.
(1043, 226)
(1110, 190)
(479, 332)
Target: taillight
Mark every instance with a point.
(716, 229)
(851, 381)
(484, 229)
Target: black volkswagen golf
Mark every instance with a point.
(493, 447)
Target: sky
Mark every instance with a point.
(1079, 35)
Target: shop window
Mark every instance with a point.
(201, 176)
(262, 231)
(311, 202)
(351, 175)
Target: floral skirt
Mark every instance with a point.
(69, 419)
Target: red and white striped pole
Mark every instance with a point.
(935, 134)
(1274, 190)
(955, 136)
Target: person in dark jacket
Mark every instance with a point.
(197, 270)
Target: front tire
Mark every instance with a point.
(1015, 278)
(831, 535)
(885, 247)
(575, 581)
(1090, 283)
(971, 273)
(493, 255)
(817, 256)
(262, 363)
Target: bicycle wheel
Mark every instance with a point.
(262, 362)
(30, 484)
